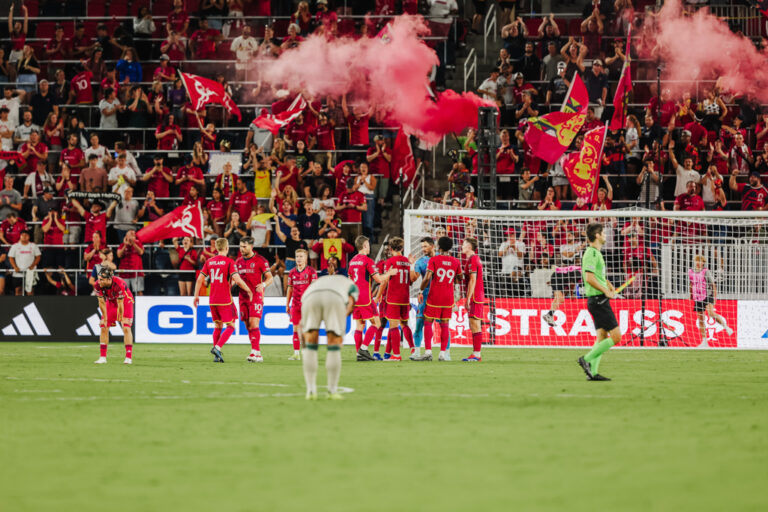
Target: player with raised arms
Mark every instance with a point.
(703, 294)
(439, 282)
(116, 305)
(221, 271)
(361, 270)
(475, 300)
(299, 278)
(598, 291)
(398, 297)
(254, 269)
(327, 300)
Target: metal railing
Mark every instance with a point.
(489, 26)
(470, 67)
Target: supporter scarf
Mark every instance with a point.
(13, 157)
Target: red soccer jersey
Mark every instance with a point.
(444, 269)
(169, 141)
(75, 159)
(218, 211)
(398, 288)
(252, 271)
(475, 266)
(159, 185)
(131, 260)
(54, 236)
(12, 232)
(300, 281)
(177, 20)
(188, 171)
(81, 85)
(358, 130)
(220, 270)
(361, 270)
(753, 198)
(118, 290)
(184, 264)
(325, 139)
(243, 204)
(293, 177)
(95, 223)
(351, 200)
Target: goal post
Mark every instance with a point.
(531, 256)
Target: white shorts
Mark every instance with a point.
(136, 284)
(324, 306)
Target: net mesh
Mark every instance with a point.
(532, 268)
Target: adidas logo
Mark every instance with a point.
(91, 327)
(28, 323)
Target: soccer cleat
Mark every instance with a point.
(585, 366)
(425, 357)
(127, 361)
(217, 358)
(703, 344)
(255, 358)
(415, 354)
(472, 359)
(335, 396)
(101, 360)
(387, 356)
(295, 357)
(442, 358)
(448, 355)
(550, 319)
(364, 355)
(311, 395)
(377, 356)
(394, 358)
(598, 377)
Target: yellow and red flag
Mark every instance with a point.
(583, 168)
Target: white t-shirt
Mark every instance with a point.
(244, 47)
(489, 85)
(115, 173)
(108, 121)
(23, 255)
(7, 125)
(683, 177)
(23, 131)
(440, 10)
(30, 180)
(501, 82)
(13, 105)
(510, 261)
(100, 152)
(259, 231)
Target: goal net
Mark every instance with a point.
(531, 256)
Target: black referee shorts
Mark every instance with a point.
(602, 315)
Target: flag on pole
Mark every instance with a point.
(621, 98)
(403, 163)
(183, 221)
(583, 168)
(203, 91)
(273, 122)
(577, 99)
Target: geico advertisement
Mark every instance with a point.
(753, 324)
(174, 320)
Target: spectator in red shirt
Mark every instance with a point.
(754, 195)
(189, 175)
(506, 156)
(293, 39)
(96, 218)
(177, 20)
(690, 201)
(288, 174)
(159, 178)
(217, 209)
(667, 110)
(80, 90)
(53, 235)
(333, 247)
(351, 206)
(130, 253)
(80, 45)
(242, 200)
(604, 199)
(168, 134)
(73, 156)
(174, 47)
(187, 261)
(164, 72)
(297, 131)
(358, 123)
(379, 158)
(11, 228)
(325, 17)
(550, 202)
(203, 41)
(761, 132)
(324, 133)
(193, 197)
(56, 48)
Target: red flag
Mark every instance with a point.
(203, 91)
(273, 122)
(403, 163)
(583, 168)
(550, 135)
(621, 98)
(577, 99)
(183, 221)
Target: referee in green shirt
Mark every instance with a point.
(598, 291)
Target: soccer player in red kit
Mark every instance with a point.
(442, 272)
(116, 305)
(398, 297)
(380, 303)
(221, 270)
(473, 273)
(361, 270)
(254, 270)
(300, 277)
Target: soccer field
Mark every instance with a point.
(523, 430)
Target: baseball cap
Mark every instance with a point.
(47, 190)
(755, 173)
(518, 75)
(164, 57)
(510, 231)
(322, 2)
(561, 65)
(687, 132)
(597, 62)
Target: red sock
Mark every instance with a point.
(255, 337)
(369, 334)
(296, 344)
(394, 339)
(377, 342)
(225, 336)
(129, 351)
(103, 349)
(388, 348)
(358, 339)
(445, 335)
(216, 335)
(477, 341)
(408, 333)
(428, 334)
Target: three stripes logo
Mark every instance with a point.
(28, 323)
(92, 327)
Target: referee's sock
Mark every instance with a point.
(598, 350)
(309, 364)
(332, 367)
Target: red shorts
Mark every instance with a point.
(225, 314)
(438, 313)
(476, 310)
(251, 309)
(112, 313)
(296, 315)
(365, 312)
(398, 312)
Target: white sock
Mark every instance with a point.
(364, 347)
(428, 351)
(295, 352)
(333, 368)
(476, 354)
(442, 353)
(309, 363)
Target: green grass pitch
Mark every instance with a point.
(523, 430)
